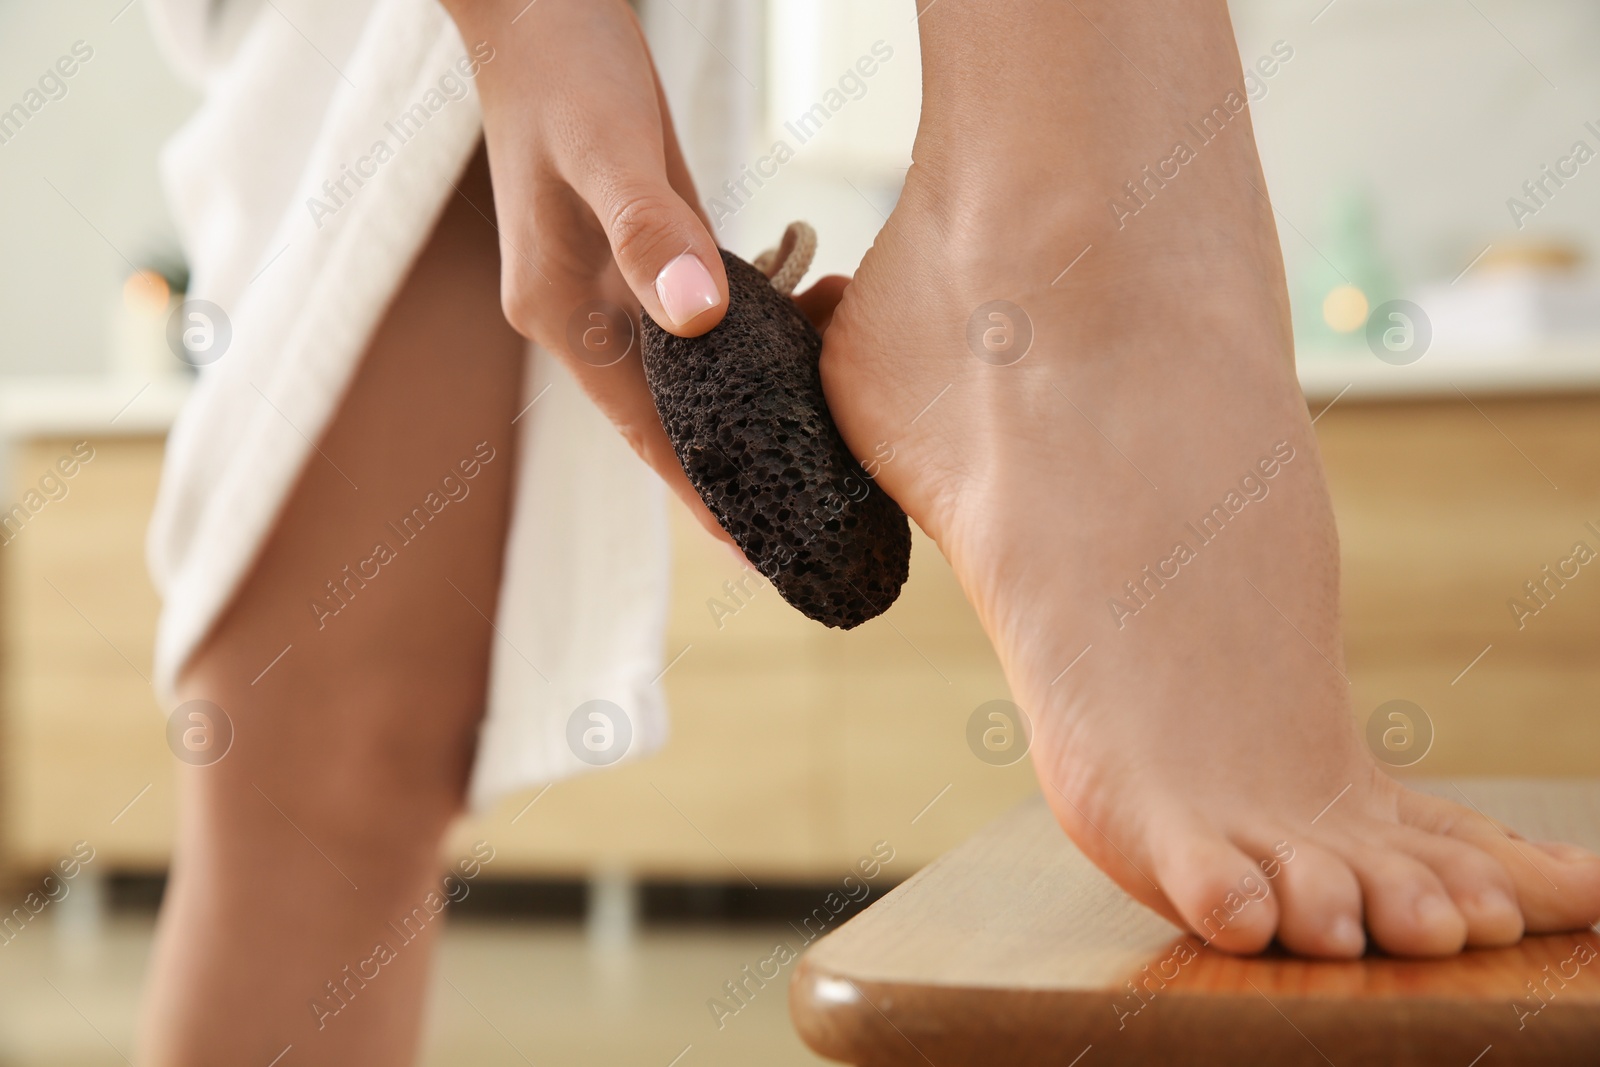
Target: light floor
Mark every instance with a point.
(505, 992)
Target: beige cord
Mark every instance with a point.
(788, 263)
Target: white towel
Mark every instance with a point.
(296, 90)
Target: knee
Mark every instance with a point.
(372, 768)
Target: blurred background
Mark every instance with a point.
(1432, 163)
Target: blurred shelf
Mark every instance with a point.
(90, 404)
(1359, 375)
(107, 405)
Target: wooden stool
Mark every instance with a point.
(1013, 949)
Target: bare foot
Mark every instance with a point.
(1193, 730)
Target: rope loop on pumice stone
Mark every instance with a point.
(788, 263)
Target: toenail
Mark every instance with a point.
(1493, 901)
(1563, 851)
(1346, 937)
(1434, 910)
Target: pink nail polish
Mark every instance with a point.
(686, 289)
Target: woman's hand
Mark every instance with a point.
(597, 214)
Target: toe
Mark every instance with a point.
(1408, 910)
(1218, 890)
(1478, 884)
(1557, 886)
(1319, 901)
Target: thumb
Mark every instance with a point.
(666, 255)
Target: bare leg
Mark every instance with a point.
(1206, 729)
(322, 824)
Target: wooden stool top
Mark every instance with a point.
(1014, 949)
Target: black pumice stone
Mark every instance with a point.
(744, 409)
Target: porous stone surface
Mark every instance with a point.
(744, 409)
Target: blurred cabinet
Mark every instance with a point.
(83, 737)
(794, 747)
(1447, 509)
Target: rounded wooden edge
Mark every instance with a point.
(895, 1024)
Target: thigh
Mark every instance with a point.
(379, 581)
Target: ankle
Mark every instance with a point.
(1093, 292)
(1037, 121)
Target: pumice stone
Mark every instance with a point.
(743, 407)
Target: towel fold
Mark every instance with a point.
(303, 259)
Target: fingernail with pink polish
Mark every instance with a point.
(686, 289)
